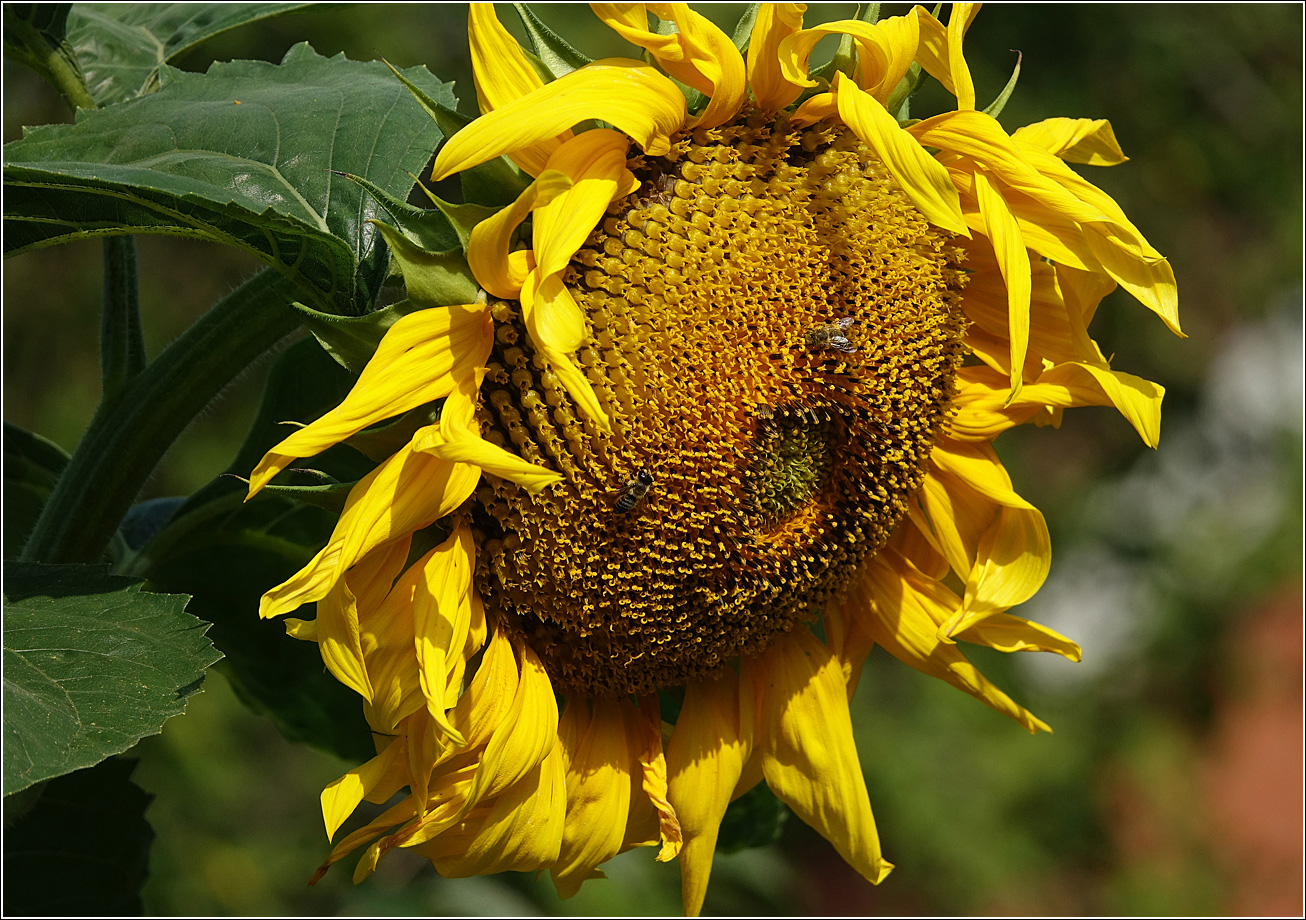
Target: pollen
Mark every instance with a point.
(774, 331)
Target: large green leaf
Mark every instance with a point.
(226, 553)
(91, 666)
(121, 46)
(31, 469)
(244, 155)
(82, 850)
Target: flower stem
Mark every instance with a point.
(122, 344)
(130, 434)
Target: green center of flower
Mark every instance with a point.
(774, 331)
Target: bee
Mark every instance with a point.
(633, 492)
(824, 336)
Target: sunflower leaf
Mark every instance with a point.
(92, 664)
(755, 819)
(31, 469)
(89, 826)
(241, 155)
(121, 47)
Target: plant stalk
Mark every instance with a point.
(130, 434)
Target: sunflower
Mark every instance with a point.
(719, 422)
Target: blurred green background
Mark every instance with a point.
(1173, 782)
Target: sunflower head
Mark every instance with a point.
(717, 421)
(772, 331)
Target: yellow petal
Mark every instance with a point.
(487, 250)
(396, 814)
(646, 729)
(598, 793)
(338, 638)
(818, 108)
(959, 21)
(526, 735)
(940, 51)
(885, 52)
(981, 413)
(554, 320)
(408, 491)
(483, 707)
(1012, 563)
(1013, 552)
(774, 23)
(343, 795)
(980, 138)
(705, 760)
(459, 440)
(904, 610)
(596, 164)
(441, 611)
(697, 53)
(1079, 140)
(304, 630)
(1013, 261)
(629, 95)
(953, 517)
(809, 757)
(419, 360)
(924, 181)
(795, 50)
(520, 831)
(847, 640)
(1138, 400)
(1008, 633)
(387, 636)
(503, 75)
(977, 466)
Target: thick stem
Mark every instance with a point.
(129, 435)
(47, 54)
(122, 344)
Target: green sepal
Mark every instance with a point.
(997, 105)
(556, 58)
(497, 182)
(380, 442)
(755, 819)
(462, 217)
(352, 340)
(744, 28)
(433, 279)
(329, 493)
(428, 228)
(899, 102)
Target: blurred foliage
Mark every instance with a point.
(1164, 565)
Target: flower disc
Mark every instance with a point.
(773, 330)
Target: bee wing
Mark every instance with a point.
(844, 322)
